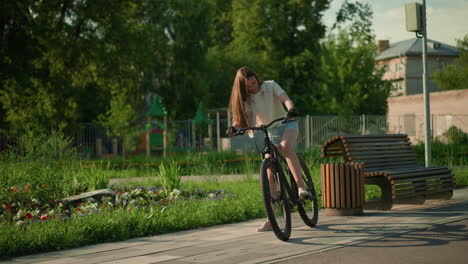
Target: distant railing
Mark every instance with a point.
(93, 140)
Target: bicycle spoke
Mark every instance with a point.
(276, 201)
(308, 206)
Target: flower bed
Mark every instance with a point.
(34, 211)
(133, 212)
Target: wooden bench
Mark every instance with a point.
(390, 163)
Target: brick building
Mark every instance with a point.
(403, 62)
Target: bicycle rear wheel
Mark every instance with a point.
(308, 206)
(276, 201)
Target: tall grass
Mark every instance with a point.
(169, 176)
(44, 162)
(44, 166)
(443, 154)
(92, 178)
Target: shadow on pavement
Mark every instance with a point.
(395, 234)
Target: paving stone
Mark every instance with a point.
(239, 243)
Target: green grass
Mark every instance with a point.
(461, 176)
(52, 171)
(122, 224)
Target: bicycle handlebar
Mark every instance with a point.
(261, 127)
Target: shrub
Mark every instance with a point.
(456, 136)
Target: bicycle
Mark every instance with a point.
(283, 193)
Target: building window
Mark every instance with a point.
(398, 67)
(398, 86)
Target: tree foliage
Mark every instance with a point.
(282, 37)
(65, 61)
(349, 82)
(455, 76)
(69, 61)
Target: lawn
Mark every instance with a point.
(43, 170)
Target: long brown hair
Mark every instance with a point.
(240, 94)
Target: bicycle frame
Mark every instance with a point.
(276, 156)
(289, 197)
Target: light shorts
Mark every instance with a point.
(276, 132)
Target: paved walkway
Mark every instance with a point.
(435, 232)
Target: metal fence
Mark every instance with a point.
(93, 140)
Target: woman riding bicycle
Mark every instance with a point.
(255, 102)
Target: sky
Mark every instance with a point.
(447, 20)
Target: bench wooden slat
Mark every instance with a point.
(377, 148)
(423, 183)
(375, 136)
(388, 163)
(409, 194)
(370, 140)
(396, 181)
(416, 170)
(378, 152)
(419, 174)
(383, 170)
(380, 156)
(367, 144)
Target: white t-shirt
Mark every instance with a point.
(265, 105)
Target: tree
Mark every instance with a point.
(350, 83)
(282, 39)
(188, 28)
(455, 76)
(63, 61)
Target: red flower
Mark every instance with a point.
(52, 201)
(9, 207)
(78, 204)
(117, 192)
(43, 218)
(29, 216)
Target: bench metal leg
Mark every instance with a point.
(386, 202)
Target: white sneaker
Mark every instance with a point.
(303, 192)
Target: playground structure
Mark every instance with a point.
(156, 133)
(194, 137)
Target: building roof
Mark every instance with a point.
(414, 47)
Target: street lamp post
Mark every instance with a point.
(427, 108)
(416, 22)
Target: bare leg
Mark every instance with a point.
(266, 226)
(271, 180)
(287, 146)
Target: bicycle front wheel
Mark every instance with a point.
(308, 206)
(275, 200)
